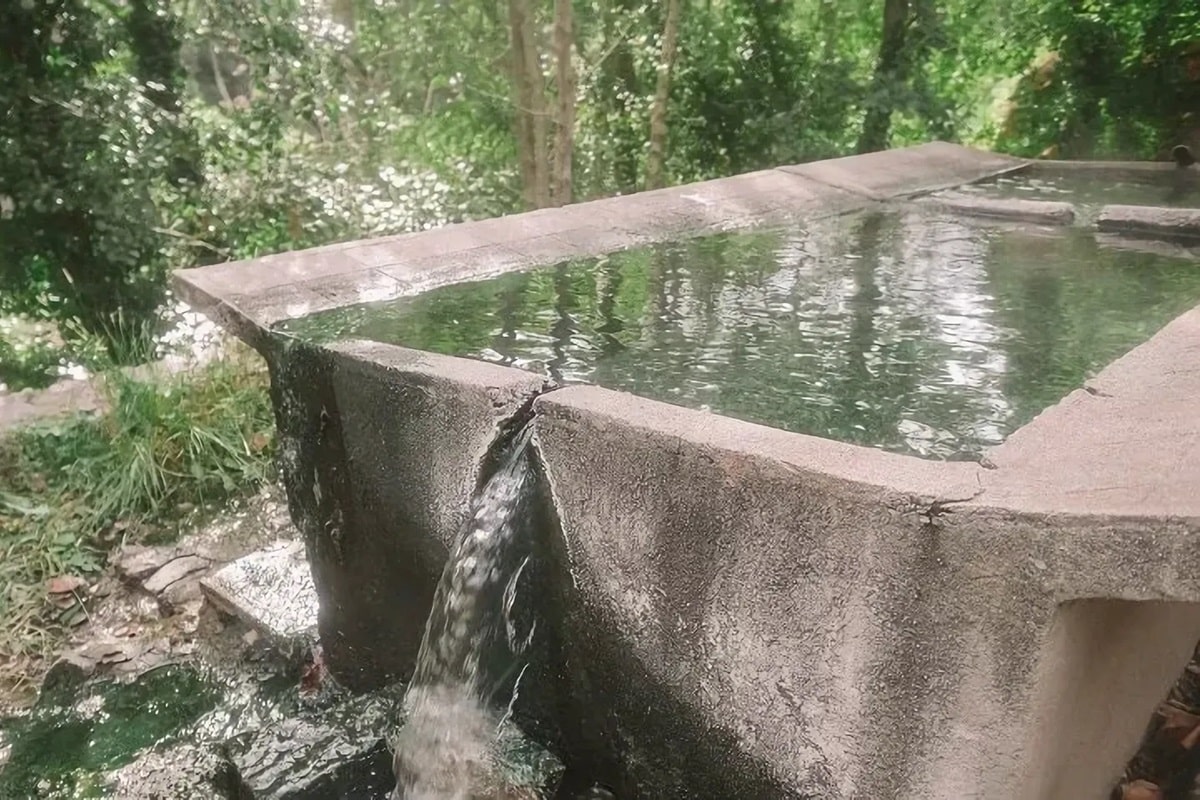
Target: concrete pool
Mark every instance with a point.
(749, 609)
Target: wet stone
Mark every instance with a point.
(69, 671)
(179, 594)
(173, 571)
(344, 754)
(271, 591)
(1038, 212)
(1150, 220)
(184, 772)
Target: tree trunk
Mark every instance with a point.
(564, 143)
(618, 85)
(662, 94)
(889, 77)
(529, 116)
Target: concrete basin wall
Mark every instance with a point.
(800, 592)
(749, 612)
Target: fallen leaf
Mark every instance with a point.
(65, 584)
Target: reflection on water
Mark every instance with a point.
(922, 334)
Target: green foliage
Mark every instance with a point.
(1123, 80)
(30, 355)
(71, 489)
(88, 158)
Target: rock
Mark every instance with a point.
(180, 594)
(175, 570)
(271, 591)
(70, 670)
(129, 657)
(136, 563)
(184, 772)
(311, 759)
(113, 651)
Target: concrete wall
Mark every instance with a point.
(381, 449)
(798, 592)
(739, 611)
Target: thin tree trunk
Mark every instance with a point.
(529, 116)
(662, 94)
(889, 77)
(619, 83)
(564, 144)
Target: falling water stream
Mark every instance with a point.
(470, 664)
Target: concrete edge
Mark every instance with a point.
(365, 356)
(248, 297)
(1125, 444)
(906, 477)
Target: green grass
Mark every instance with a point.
(71, 490)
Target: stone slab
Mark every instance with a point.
(1038, 212)
(1183, 222)
(271, 591)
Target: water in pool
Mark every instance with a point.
(1089, 192)
(917, 333)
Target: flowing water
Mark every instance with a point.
(915, 332)
(457, 740)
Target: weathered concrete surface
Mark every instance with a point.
(1150, 220)
(380, 449)
(801, 596)
(1039, 212)
(1096, 677)
(913, 170)
(1127, 444)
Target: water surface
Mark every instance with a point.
(1089, 191)
(67, 743)
(914, 332)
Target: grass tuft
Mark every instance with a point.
(71, 490)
